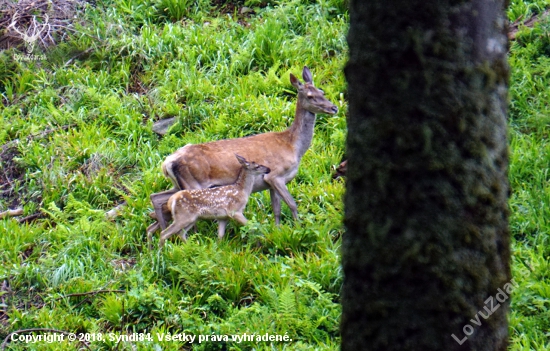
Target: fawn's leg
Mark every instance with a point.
(183, 233)
(240, 218)
(175, 227)
(222, 223)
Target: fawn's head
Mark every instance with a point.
(310, 97)
(252, 167)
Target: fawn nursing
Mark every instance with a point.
(210, 164)
(222, 203)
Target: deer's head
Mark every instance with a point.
(310, 97)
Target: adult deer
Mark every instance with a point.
(222, 203)
(212, 164)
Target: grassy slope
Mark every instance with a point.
(529, 164)
(222, 76)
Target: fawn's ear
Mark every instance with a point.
(295, 81)
(306, 74)
(241, 160)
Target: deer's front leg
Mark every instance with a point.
(221, 228)
(279, 186)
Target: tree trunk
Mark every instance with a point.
(427, 240)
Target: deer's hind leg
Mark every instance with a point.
(159, 200)
(275, 205)
(183, 233)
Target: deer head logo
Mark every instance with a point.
(32, 33)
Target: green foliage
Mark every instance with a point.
(529, 150)
(83, 119)
(176, 10)
(521, 9)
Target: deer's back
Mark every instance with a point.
(214, 163)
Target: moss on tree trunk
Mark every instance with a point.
(427, 241)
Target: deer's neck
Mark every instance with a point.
(245, 181)
(301, 130)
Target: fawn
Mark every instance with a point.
(222, 203)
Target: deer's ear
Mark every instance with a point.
(241, 159)
(306, 74)
(295, 82)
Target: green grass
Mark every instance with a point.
(84, 116)
(222, 75)
(529, 178)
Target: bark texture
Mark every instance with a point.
(427, 240)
